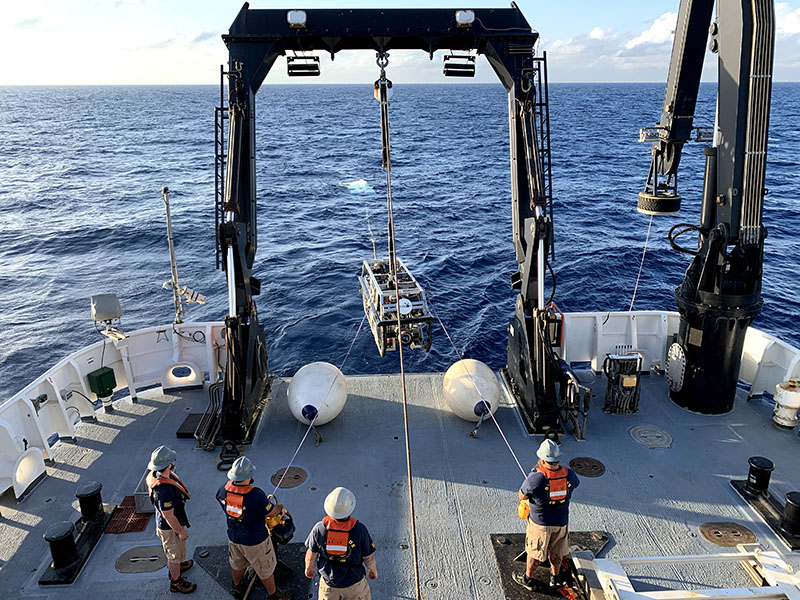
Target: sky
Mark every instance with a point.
(134, 42)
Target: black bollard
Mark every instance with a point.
(758, 478)
(90, 501)
(62, 544)
(790, 522)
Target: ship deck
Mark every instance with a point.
(650, 501)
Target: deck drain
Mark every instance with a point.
(294, 477)
(587, 467)
(727, 533)
(651, 436)
(143, 559)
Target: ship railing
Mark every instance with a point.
(588, 337)
(46, 410)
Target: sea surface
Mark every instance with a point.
(81, 169)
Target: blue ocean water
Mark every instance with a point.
(81, 169)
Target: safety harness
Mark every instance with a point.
(234, 499)
(337, 543)
(153, 482)
(557, 485)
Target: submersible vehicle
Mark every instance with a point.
(689, 485)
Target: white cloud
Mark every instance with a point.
(787, 21)
(662, 30)
(597, 34)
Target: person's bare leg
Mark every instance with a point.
(531, 566)
(174, 570)
(269, 583)
(555, 563)
(236, 575)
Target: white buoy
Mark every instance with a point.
(461, 384)
(318, 387)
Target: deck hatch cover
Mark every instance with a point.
(294, 477)
(727, 533)
(651, 436)
(142, 559)
(587, 467)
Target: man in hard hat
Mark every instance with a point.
(548, 489)
(169, 495)
(249, 545)
(340, 547)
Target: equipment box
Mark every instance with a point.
(141, 496)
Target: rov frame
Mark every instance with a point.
(380, 305)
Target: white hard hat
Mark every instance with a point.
(241, 469)
(161, 458)
(548, 451)
(340, 503)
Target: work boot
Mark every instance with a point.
(554, 583)
(237, 591)
(281, 595)
(563, 577)
(529, 583)
(182, 586)
(186, 565)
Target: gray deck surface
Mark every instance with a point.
(650, 501)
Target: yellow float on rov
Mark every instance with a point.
(380, 305)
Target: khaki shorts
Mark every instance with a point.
(174, 546)
(541, 540)
(260, 557)
(357, 591)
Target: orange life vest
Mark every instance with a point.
(234, 499)
(173, 479)
(557, 484)
(337, 544)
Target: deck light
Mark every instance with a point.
(455, 65)
(465, 18)
(297, 19)
(302, 66)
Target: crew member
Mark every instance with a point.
(246, 508)
(548, 489)
(169, 495)
(340, 546)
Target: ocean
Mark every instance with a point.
(81, 169)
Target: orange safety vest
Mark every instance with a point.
(337, 542)
(557, 484)
(234, 499)
(173, 479)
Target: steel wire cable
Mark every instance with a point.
(383, 85)
(641, 264)
(319, 411)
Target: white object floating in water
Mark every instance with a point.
(318, 387)
(359, 187)
(463, 381)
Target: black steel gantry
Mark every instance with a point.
(255, 40)
(721, 292)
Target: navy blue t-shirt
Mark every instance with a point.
(168, 497)
(249, 529)
(542, 512)
(341, 571)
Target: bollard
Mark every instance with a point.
(90, 501)
(62, 544)
(790, 522)
(758, 478)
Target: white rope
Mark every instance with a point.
(477, 389)
(319, 411)
(641, 264)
